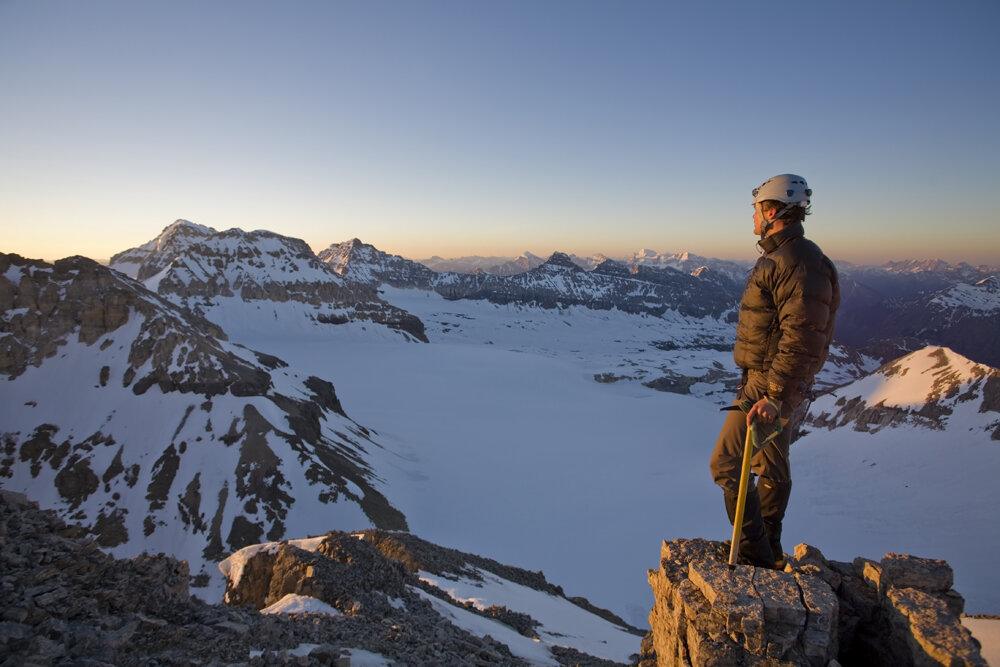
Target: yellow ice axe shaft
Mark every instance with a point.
(741, 499)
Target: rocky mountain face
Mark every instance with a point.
(899, 611)
(129, 411)
(928, 388)
(351, 597)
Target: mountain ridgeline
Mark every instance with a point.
(887, 311)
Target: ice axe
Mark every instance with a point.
(750, 445)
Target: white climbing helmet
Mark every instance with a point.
(787, 188)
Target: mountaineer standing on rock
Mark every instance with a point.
(783, 337)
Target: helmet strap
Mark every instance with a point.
(766, 224)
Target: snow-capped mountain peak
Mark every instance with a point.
(928, 388)
(181, 228)
(153, 256)
(212, 274)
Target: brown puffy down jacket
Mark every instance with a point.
(787, 314)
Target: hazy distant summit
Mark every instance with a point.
(507, 266)
(500, 266)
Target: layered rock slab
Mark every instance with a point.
(900, 611)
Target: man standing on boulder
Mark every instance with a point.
(783, 337)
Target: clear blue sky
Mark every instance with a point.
(494, 127)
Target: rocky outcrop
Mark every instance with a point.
(900, 611)
(379, 576)
(66, 602)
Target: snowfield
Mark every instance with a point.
(499, 442)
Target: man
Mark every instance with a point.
(783, 336)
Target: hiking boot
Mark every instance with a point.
(773, 501)
(757, 552)
(749, 555)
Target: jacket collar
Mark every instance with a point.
(778, 239)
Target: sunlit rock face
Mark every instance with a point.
(899, 611)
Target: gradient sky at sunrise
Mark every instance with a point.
(461, 127)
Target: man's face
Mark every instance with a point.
(758, 219)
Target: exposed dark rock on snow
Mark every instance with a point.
(901, 611)
(373, 574)
(66, 602)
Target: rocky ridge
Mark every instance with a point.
(66, 602)
(900, 611)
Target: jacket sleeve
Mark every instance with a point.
(805, 297)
